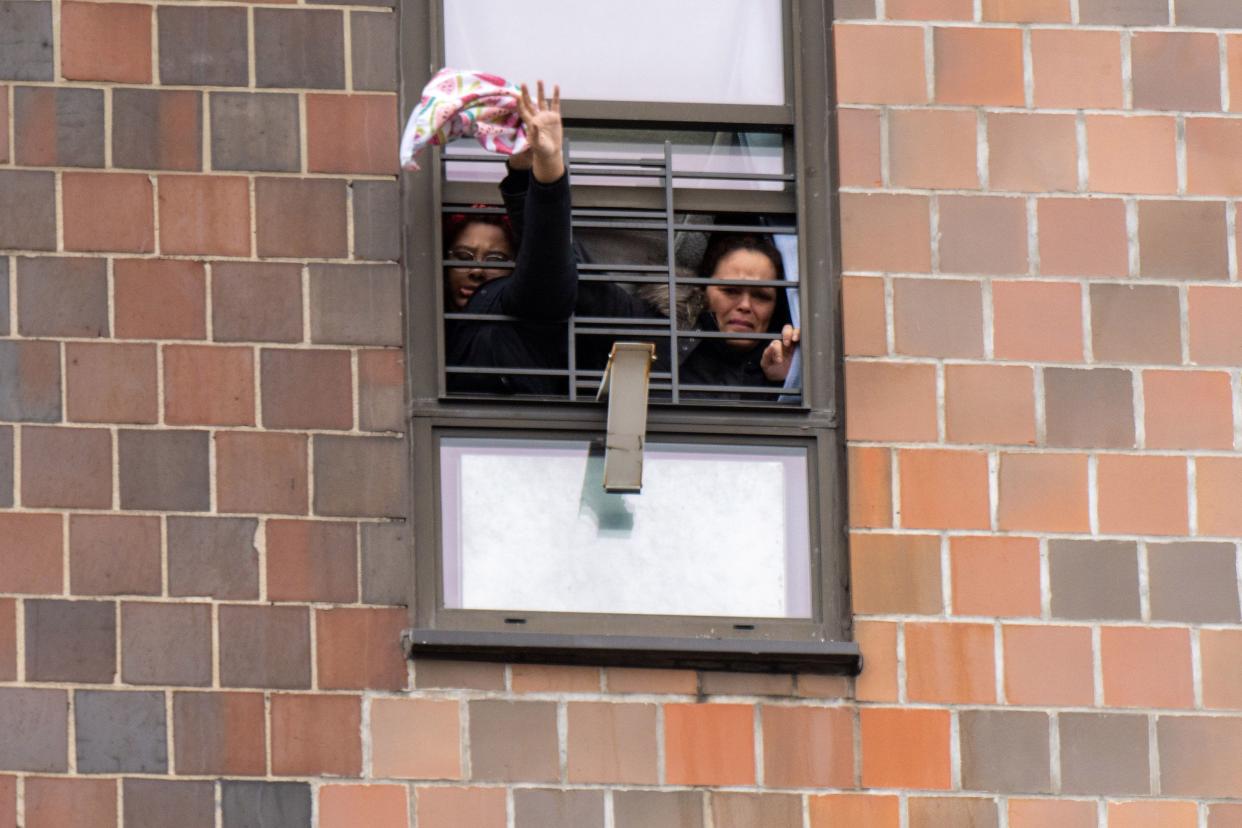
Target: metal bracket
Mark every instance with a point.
(625, 383)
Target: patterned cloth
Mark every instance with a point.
(459, 103)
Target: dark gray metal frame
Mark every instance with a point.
(821, 643)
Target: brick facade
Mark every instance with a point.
(203, 472)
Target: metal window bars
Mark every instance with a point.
(667, 386)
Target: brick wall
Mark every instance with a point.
(201, 457)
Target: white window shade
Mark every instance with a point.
(700, 51)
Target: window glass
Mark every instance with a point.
(718, 530)
(720, 51)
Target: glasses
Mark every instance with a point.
(465, 254)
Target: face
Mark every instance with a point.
(475, 244)
(738, 307)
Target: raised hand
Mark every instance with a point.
(542, 119)
(779, 353)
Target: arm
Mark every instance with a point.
(513, 191)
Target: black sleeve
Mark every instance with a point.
(544, 284)
(608, 299)
(513, 192)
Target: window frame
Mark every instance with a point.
(820, 644)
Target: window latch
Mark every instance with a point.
(625, 384)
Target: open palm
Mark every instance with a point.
(542, 119)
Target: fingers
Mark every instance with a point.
(543, 99)
(787, 336)
(556, 98)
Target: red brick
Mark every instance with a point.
(1188, 409)
(959, 54)
(1200, 756)
(1183, 239)
(878, 642)
(108, 211)
(381, 390)
(1215, 318)
(366, 147)
(1132, 154)
(611, 743)
(1136, 323)
(855, 809)
(1212, 166)
(858, 136)
(114, 555)
(259, 473)
(1221, 654)
(870, 487)
(416, 738)
(360, 649)
(905, 748)
(952, 663)
(944, 489)
(205, 214)
(895, 574)
(989, 404)
(1153, 814)
(646, 680)
(314, 735)
(807, 747)
(453, 807)
(1039, 813)
(312, 561)
(31, 546)
(983, 234)
(709, 744)
(4, 119)
(56, 802)
(220, 733)
(376, 806)
(1048, 665)
(1142, 495)
(307, 389)
(862, 316)
(929, 9)
(110, 383)
(1217, 482)
(1076, 69)
(553, 678)
(938, 317)
(885, 401)
(1027, 11)
(159, 299)
(67, 467)
(105, 41)
(995, 576)
(301, 217)
(885, 232)
(1044, 492)
(1146, 667)
(1032, 153)
(208, 385)
(1224, 815)
(932, 148)
(1039, 321)
(880, 64)
(1082, 236)
(1176, 70)
(8, 660)
(56, 127)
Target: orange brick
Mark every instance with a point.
(1027, 11)
(1215, 319)
(55, 801)
(1083, 236)
(543, 678)
(855, 809)
(1040, 813)
(1131, 154)
(1212, 163)
(365, 147)
(863, 317)
(871, 487)
(878, 642)
(1032, 153)
(360, 649)
(108, 211)
(989, 404)
(1037, 321)
(644, 680)
(1151, 814)
(709, 744)
(159, 299)
(1221, 654)
(983, 234)
(858, 150)
(895, 574)
(959, 54)
(105, 41)
(208, 385)
(614, 743)
(808, 747)
(885, 232)
(110, 383)
(314, 735)
(938, 317)
(1044, 492)
(879, 64)
(1188, 409)
(905, 748)
(1076, 70)
(995, 576)
(376, 806)
(1146, 667)
(415, 739)
(1048, 665)
(944, 489)
(205, 214)
(455, 807)
(932, 148)
(950, 663)
(1142, 495)
(1217, 483)
(1233, 60)
(886, 401)
(929, 9)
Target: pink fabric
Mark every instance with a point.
(459, 103)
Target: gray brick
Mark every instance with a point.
(4, 296)
(265, 646)
(1194, 582)
(6, 466)
(513, 741)
(377, 220)
(255, 132)
(62, 297)
(58, 127)
(203, 46)
(360, 476)
(1209, 14)
(157, 803)
(386, 572)
(658, 809)
(256, 302)
(35, 724)
(26, 41)
(299, 48)
(534, 808)
(374, 55)
(120, 732)
(356, 304)
(27, 210)
(1124, 12)
(213, 557)
(853, 9)
(164, 470)
(30, 377)
(1094, 579)
(157, 129)
(1104, 753)
(70, 641)
(1005, 751)
(266, 804)
(166, 644)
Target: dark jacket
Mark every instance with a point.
(714, 362)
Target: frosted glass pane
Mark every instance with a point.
(717, 530)
(702, 51)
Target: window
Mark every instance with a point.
(732, 555)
